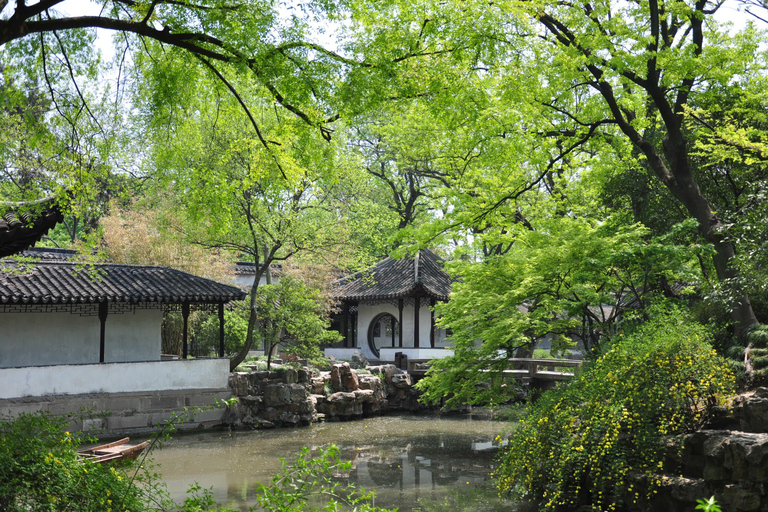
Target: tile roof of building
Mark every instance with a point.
(392, 279)
(21, 228)
(60, 282)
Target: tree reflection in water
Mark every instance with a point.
(414, 463)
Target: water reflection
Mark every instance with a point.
(406, 459)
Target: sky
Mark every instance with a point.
(731, 11)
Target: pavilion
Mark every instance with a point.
(389, 308)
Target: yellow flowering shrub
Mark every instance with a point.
(578, 443)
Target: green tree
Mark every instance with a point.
(566, 280)
(239, 196)
(295, 316)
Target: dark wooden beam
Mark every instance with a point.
(432, 323)
(416, 305)
(185, 316)
(221, 329)
(400, 322)
(103, 312)
(345, 324)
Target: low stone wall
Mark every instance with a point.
(729, 461)
(127, 413)
(299, 397)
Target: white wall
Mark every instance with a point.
(37, 339)
(366, 313)
(114, 378)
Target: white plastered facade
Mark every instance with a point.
(367, 313)
(51, 338)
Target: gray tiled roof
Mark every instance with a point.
(57, 282)
(20, 228)
(392, 279)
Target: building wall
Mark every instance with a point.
(367, 312)
(139, 377)
(39, 339)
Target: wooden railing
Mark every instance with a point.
(525, 369)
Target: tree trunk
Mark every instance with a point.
(252, 320)
(684, 187)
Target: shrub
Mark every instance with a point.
(40, 471)
(579, 443)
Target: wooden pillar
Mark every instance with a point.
(221, 329)
(345, 324)
(103, 312)
(400, 323)
(432, 323)
(417, 304)
(185, 316)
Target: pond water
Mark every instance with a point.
(413, 462)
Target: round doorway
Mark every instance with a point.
(383, 332)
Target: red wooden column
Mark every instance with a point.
(400, 323)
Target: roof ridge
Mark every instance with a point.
(416, 267)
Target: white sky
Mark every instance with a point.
(731, 11)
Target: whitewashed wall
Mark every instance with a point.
(367, 312)
(114, 378)
(38, 339)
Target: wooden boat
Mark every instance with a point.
(116, 450)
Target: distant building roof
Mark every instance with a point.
(61, 282)
(392, 279)
(249, 268)
(22, 226)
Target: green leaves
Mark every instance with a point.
(580, 443)
(569, 279)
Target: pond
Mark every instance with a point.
(413, 462)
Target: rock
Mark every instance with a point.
(349, 378)
(359, 358)
(304, 375)
(289, 418)
(336, 383)
(401, 381)
(317, 384)
(290, 376)
(270, 414)
(341, 396)
(298, 393)
(276, 395)
(363, 395)
(739, 498)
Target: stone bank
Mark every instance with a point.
(300, 397)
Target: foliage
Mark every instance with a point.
(294, 315)
(572, 279)
(206, 334)
(310, 484)
(40, 471)
(579, 443)
(709, 505)
(145, 236)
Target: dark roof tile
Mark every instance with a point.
(392, 279)
(50, 282)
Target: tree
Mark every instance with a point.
(637, 67)
(232, 193)
(566, 280)
(295, 316)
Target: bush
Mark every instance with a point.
(206, 334)
(40, 471)
(579, 443)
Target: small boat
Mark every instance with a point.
(116, 450)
